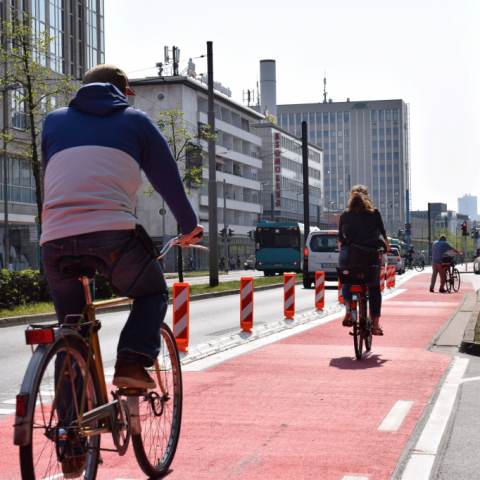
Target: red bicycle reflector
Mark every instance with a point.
(36, 337)
(22, 402)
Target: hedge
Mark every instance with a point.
(29, 286)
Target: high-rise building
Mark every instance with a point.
(364, 143)
(468, 205)
(78, 30)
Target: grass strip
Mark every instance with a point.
(47, 307)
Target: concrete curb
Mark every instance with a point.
(468, 344)
(51, 317)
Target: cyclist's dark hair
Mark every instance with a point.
(359, 200)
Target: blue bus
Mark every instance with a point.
(279, 247)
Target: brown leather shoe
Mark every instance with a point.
(132, 376)
(442, 290)
(73, 467)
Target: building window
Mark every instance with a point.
(381, 131)
(389, 144)
(332, 118)
(374, 132)
(19, 110)
(375, 168)
(21, 184)
(397, 204)
(346, 133)
(340, 157)
(381, 116)
(389, 168)
(339, 145)
(326, 170)
(279, 120)
(305, 117)
(346, 117)
(374, 156)
(334, 170)
(395, 115)
(395, 143)
(325, 146)
(395, 130)
(333, 183)
(396, 156)
(382, 180)
(389, 131)
(397, 193)
(319, 145)
(333, 158)
(332, 134)
(326, 181)
(347, 145)
(382, 168)
(396, 168)
(325, 134)
(397, 181)
(319, 118)
(374, 115)
(298, 117)
(92, 33)
(325, 118)
(319, 134)
(382, 156)
(388, 115)
(284, 119)
(382, 143)
(339, 117)
(340, 133)
(332, 145)
(347, 168)
(375, 180)
(312, 134)
(326, 158)
(312, 119)
(389, 180)
(291, 119)
(375, 193)
(374, 144)
(347, 158)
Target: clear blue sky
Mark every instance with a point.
(424, 52)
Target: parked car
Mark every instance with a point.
(320, 255)
(395, 258)
(476, 265)
(249, 263)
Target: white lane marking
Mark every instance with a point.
(419, 467)
(470, 379)
(350, 477)
(58, 475)
(396, 416)
(429, 441)
(6, 411)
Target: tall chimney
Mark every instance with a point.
(268, 86)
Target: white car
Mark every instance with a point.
(320, 255)
(397, 260)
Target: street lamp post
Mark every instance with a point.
(261, 202)
(4, 90)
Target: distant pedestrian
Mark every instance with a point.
(239, 262)
(222, 262)
(232, 263)
(421, 258)
(191, 264)
(440, 247)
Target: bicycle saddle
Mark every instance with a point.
(84, 266)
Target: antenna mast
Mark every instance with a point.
(325, 87)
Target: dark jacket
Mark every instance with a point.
(360, 228)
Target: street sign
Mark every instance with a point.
(407, 226)
(408, 232)
(162, 212)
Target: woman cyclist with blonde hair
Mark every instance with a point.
(361, 234)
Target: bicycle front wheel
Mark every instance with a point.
(358, 333)
(160, 411)
(455, 280)
(366, 324)
(54, 380)
(448, 282)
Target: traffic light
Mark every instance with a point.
(472, 232)
(464, 229)
(230, 232)
(476, 233)
(400, 232)
(223, 232)
(251, 234)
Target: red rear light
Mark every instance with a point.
(36, 337)
(259, 263)
(22, 402)
(398, 259)
(294, 263)
(305, 252)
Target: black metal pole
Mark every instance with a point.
(306, 193)
(212, 177)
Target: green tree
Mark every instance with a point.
(37, 90)
(187, 150)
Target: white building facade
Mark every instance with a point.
(237, 161)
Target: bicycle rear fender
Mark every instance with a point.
(22, 431)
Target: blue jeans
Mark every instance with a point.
(374, 293)
(141, 333)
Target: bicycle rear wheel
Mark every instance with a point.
(448, 283)
(357, 333)
(161, 412)
(419, 266)
(54, 381)
(366, 324)
(455, 280)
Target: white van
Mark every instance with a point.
(320, 255)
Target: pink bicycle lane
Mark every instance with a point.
(302, 407)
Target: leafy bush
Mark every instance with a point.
(29, 286)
